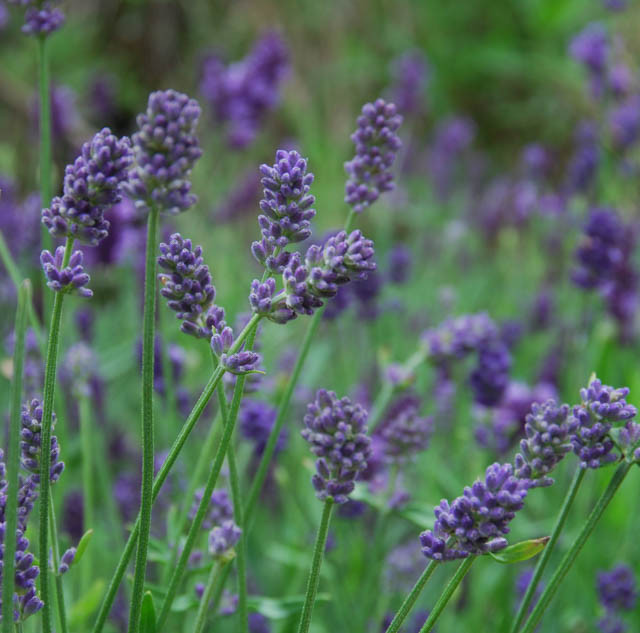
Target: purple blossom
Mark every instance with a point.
(410, 74)
(536, 161)
(490, 378)
(41, 18)
(548, 429)
(591, 47)
(476, 521)
(187, 285)
(68, 279)
(286, 208)
(66, 560)
(400, 262)
(258, 623)
(165, 149)
(602, 407)
(73, 514)
(241, 94)
(624, 123)
(611, 623)
(256, 419)
(617, 588)
(30, 444)
(584, 162)
(404, 431)
(220, 509)
(92, 184)
(376, 140)
(336, 430)
(223, 537)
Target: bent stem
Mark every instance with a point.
(194, 528)
(447, 593)
(283, 409)
(148, 325)
(241, 550)
(162, 475)
(546, 552)
(410, 600)
(569, 558)
(316, 563)
(13, 452)
(45, 433)
(213, 580)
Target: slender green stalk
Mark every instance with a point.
(283, 409)
(380, 405)
(14, 275)
(45, 130)
(62, 612)
(316, 564)
(19, 628)
(216, 595)
(45, 458)
(194, 528)
(410, 600)
(351, 218)
(148, 326)
(447, 593)
(546, 552)
(169, 385)
(198, 474)
(569, 558)
(241, 550)
(162, 475)
(13, 452)
(203, 610)
(88, 456)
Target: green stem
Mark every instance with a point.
(283, 409)
(380, 405)
(216, 595)
(169, 385)
(148, 325)
(316, 564)
(88, 456)
(461, 572)
(45, 434)
(241, 550)
(45, 131)
(13, 452)
(198, 474)
(351, 218)
(546, 552)
(14, 275)
(62, 612)
(569, 558)
(203, 610)
(162, 475)
(194, 528)
(410, 600)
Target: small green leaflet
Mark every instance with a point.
(520, 551)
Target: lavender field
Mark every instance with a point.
(319, 316)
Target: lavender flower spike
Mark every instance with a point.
(602, 407)
(41, 20)
(478, 520)
(165, 149)
(92, 184)
(547, 428)
(286, 206)
(617, 589)
(223, 538)
(376, 141)
(336, 430)
(187, 285)
(70, 279)
(30, 444)
(242, 362)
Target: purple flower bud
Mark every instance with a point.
(223, 538)
(66, 560)
(404, 431)
(617, 588)
(369, 172)
(71, 279)
(547, 428)
(92, 184)
(30, 445)
(165, 149)
(42, 20)
(602, 407)
(478, 519)
(220, 509)
(336, 430)
(187, 285)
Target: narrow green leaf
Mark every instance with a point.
(278, 609)
(520, 551)
(82, 546)
(148, 614)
